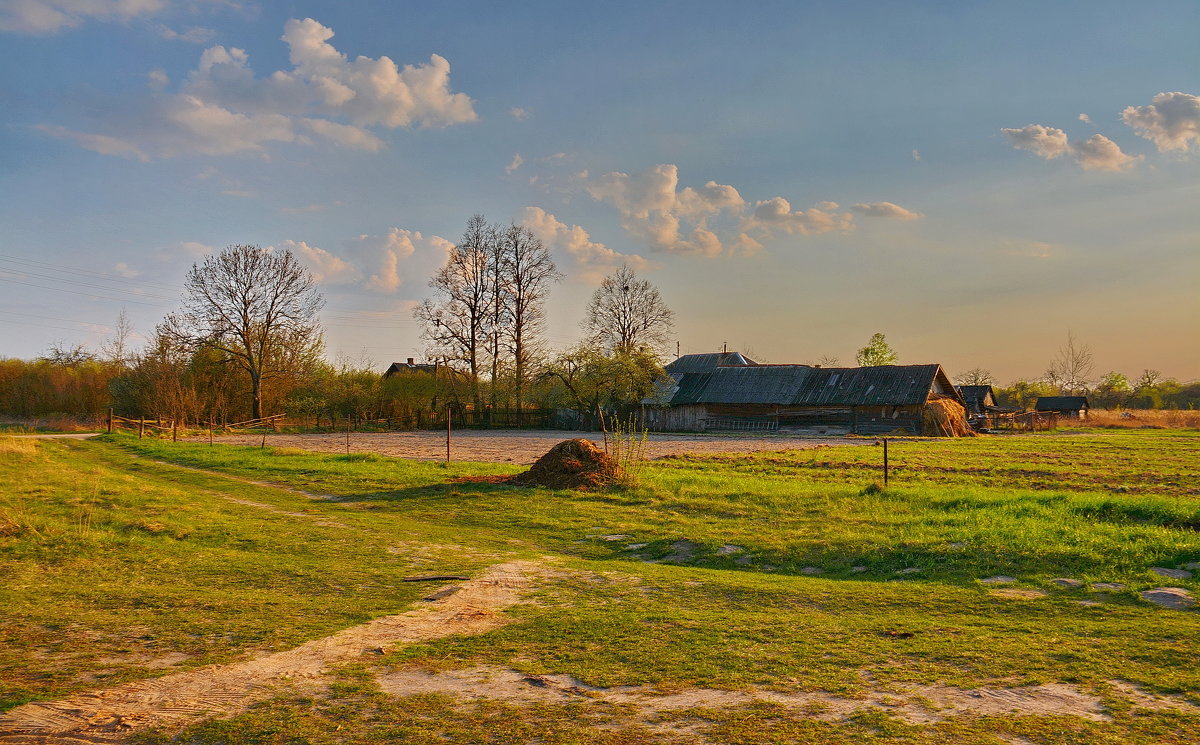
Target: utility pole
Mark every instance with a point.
(724, 347)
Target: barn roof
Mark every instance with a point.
(976, 392)
(696, 363)
(1061, 403)
(802, 385)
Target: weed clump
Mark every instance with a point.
(571, 464)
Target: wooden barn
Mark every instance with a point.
(705, 395)
(977, 398)
(1069, 406)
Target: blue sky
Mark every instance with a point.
(974, 180)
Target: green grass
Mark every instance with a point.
(145, 558)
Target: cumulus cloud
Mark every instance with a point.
(223, 108)
(774, 216)
(1085, 119)
(652, 206)
(381, 263)
(518, 113)
(1045, 142)
(103, 144)
(52, 16)
(516, 162)
(1097, 153)
(885, 209)
(593, 259)
(1171, 121)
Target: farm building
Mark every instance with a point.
(704, 395)
(977, 398)
(410, 366)
(1071, 406)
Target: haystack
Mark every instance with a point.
(571, 464)
(945, 417)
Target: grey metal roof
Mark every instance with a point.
(802, 385)
(1061, 403)
(694, 363)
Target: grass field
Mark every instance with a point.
(763, 591)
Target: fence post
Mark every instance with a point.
(110, 414)
(447, 435)
(141, 426)
(174, 430)
(347, 434)
(885, 463)
(210, 429)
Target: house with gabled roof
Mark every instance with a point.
(704, 395)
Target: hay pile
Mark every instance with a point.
(945, 417)
(571, 464)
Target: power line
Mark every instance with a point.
(83, 294)
(100, 275)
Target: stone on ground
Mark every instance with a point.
(1171, 573)
(999, 579)
(1170, 597)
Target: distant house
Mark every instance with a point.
(410, 366)
(977, 398)
(1072, 406)
(703, 394)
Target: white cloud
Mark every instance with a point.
(157, 79)
(52, 16)
(1045, 142)
(381, 263)
(916, 154)
(1171, 121)
(652, 207)
(516, 163)
(191, 34)
(121, 269)
(324, 266)
(1097, 153)
(102, 144)
(223, 108)
(773, 216)
(593, 259)
(1085, 119)
(885, 209)
(518, 113)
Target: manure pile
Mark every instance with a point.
(571, 464)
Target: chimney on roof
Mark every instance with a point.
(410, 361)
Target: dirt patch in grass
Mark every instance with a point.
(917, 704)
(182, 698)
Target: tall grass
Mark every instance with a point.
(625, 443)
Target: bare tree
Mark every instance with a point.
(976, 376)
(828, 360)
(257, 306)
(457, 324)
(1071, 368)
(116, 348)
(627, 314)
(528, 272)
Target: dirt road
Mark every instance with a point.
(520, 446)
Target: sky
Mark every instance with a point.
(973, 180)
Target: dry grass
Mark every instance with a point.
(1137, 419)
(18, 447)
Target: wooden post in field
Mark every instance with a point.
(174, 430)
(447, 434)
(347, 434)
(264, 442)
(110, 414)
(885, 463)
(210, 428)
(141, 426)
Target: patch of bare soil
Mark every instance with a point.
(182, 698)
(520, 446)
(918, 704)
(571, 464)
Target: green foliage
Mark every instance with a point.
(586, 379)
(877, 352)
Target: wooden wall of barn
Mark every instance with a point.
(866, 420)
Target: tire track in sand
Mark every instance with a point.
(174, 701)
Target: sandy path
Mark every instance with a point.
(518, 446)
(183, 698)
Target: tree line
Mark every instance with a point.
(247, 342)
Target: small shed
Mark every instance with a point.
(411, 366)
(1071, 406)
(977, 398)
